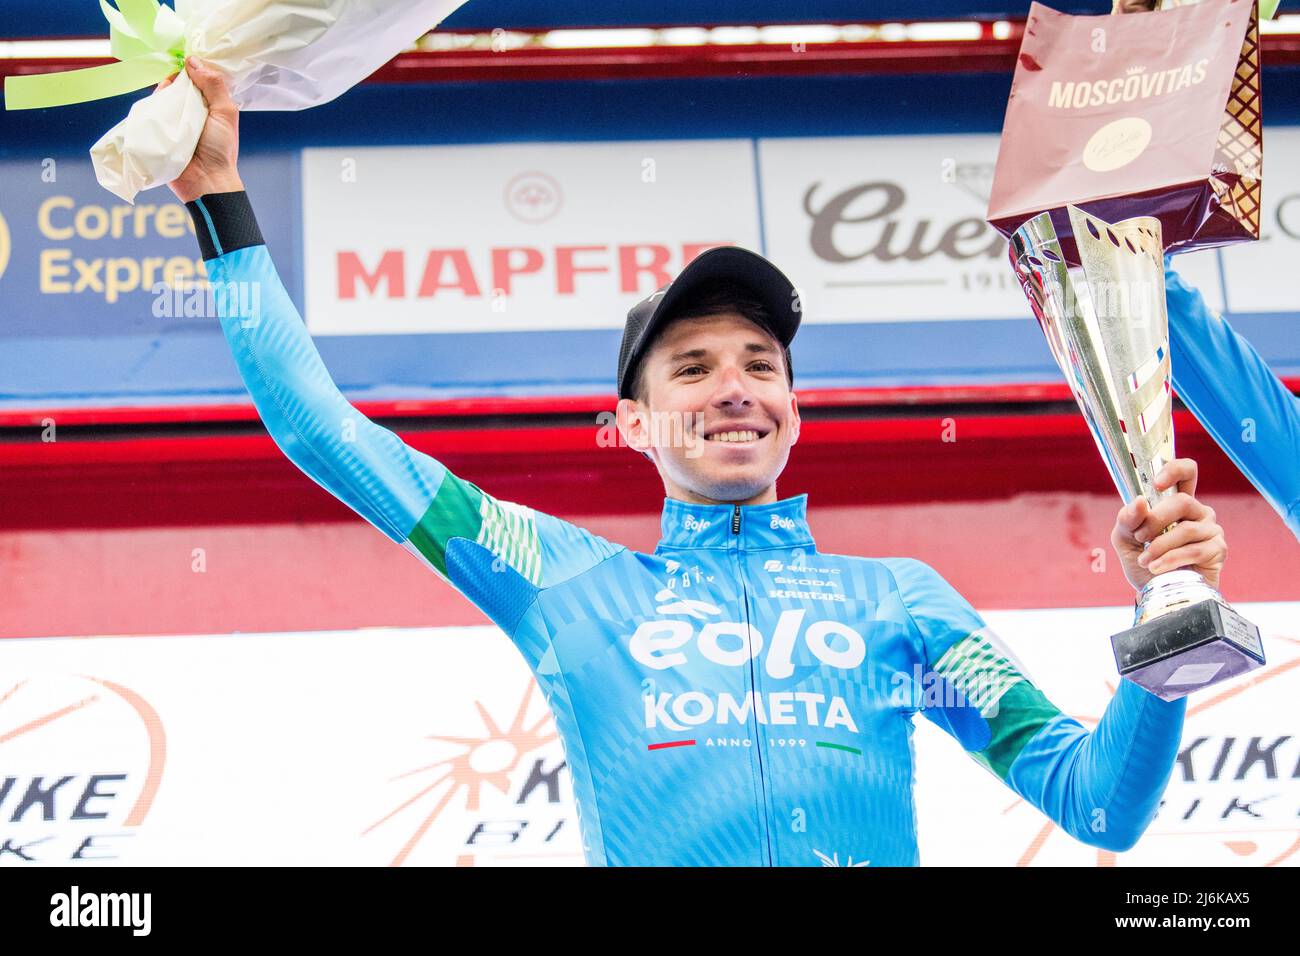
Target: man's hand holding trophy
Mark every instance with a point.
(1090, 192)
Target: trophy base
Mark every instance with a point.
(1188, 648)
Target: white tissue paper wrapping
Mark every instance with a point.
(275, 54)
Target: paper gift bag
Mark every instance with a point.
(1143, 114)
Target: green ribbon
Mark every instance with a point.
(1267, 8)
(147, 38)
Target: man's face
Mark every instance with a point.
(717, 414)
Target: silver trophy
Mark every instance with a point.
(1106, 324)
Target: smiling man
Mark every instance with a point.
(728, 317)
(736, 697)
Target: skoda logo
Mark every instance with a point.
(4, 245)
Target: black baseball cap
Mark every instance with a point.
(745, 268)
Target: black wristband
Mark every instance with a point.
(224, 222)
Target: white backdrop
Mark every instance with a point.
(871, 229)
(432, 746)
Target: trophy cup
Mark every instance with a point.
(1106, 324)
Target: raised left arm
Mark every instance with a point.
(1103, 786)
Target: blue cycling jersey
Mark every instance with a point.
(1235, 395)
(736, 697)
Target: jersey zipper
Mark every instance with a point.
(753, 684)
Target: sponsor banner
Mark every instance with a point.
(891, 229)
(888, 228)
(434, 747)
(512, 237)
(98, 297)
(76, 260)
(902, 282)
(367, 748)
(81, 253)
(1233, 798)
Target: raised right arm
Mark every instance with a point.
(463, 533)
(496, 553)
(367, 467)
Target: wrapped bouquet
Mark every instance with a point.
(276, 55)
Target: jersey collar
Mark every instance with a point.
(779, 524)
